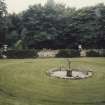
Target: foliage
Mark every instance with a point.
(19, 45)
(3, 26)
(103, 53)
(15, 29)
(57, 28)
(93, 53)
(21, 54)
(96, 53)
(68, 53)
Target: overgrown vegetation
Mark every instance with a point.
(56, 28)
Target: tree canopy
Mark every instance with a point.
(57, 28)
(3, 13)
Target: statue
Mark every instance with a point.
(80, 47)
(4, 51)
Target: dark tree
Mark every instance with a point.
(57, 27)
(3, 26)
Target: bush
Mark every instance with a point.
(0, 56)
(21, 54)
(68, 53)
(103, 53)
(92, 53)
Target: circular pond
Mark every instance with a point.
(69, 74)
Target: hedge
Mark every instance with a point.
(68, 53)
(93, 53)
(21, 54)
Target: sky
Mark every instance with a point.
(20, 5)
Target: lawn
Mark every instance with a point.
(25, 82)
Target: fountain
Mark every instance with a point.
(68, 73)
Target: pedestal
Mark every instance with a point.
(69, 73)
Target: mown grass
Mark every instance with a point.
(25, 82)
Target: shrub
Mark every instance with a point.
(21, 54)
(18, 45)
(103, 53)
(92, 53)
(68, 53)
(0, 56)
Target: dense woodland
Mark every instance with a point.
(55, 27)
